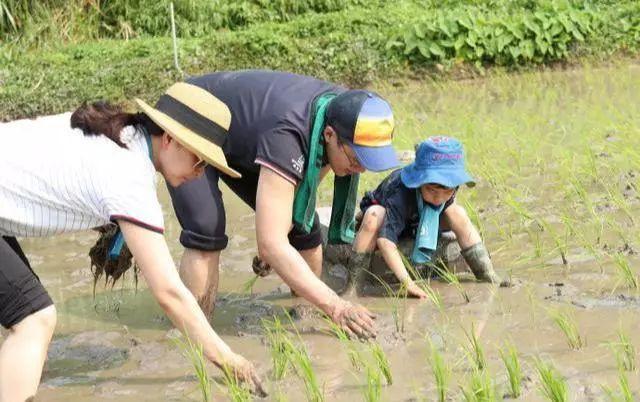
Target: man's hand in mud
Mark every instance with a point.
(354, 319)
(416, 291)
(244, 371)
(260, 267)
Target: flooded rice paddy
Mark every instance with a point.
(557, 158)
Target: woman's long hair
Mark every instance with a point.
(104, 118)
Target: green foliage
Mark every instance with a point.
(503, 38)
(32, 21)
(56, 54)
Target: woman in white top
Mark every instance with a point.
(102, 172)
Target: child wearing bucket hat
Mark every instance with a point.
(419, 200)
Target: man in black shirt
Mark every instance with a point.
(270, 143)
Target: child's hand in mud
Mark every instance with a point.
(354, 319)
(260, 267)
(245, 371)
(416, 291)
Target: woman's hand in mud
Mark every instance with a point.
(416, 291)
(245, 371)
(354, 319)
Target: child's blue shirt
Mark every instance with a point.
(402, 217)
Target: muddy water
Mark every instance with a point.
(119, 347)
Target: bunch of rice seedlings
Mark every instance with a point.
(373, 390)
(625, 352)
(355, 358)
(450, 278)
(552, 385)
(626, 274)
(280, 347)
(382, 361)
(481, 388)
(433, 294)
(567, 325)
(398, 302)
(194, 353)
(511, 361)
(237, 391)
(304, 370)
(624, 394)
(441, 373)
(475, 350)
(302, 364)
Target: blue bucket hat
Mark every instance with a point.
(438, 160)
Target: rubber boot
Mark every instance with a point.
(477, 257)
(358, 267)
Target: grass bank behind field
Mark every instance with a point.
(352, 45)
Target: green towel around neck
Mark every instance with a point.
(427, 234)
(345, 189)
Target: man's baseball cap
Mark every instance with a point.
(365, 121)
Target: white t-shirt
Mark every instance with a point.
(54, 179)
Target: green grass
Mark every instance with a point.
(566, 323)
(624, 393)
(509, 356)
(552, 385)
(80, 53)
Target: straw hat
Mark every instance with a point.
(196, 119)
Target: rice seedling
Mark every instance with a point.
(194, 353)
(552, 385)
(302, 363)
(236, 390)
(398, 302)
(382, 361)
(626, 274)
(569, 328)
(441, 373)
(355, 358)
(480, 389)
(624, 393)
(433, 294)
(625, 352)
(373, 390)
(280, 347)
(475, 350)
(451, 279)
(304, 370)
(509, 356)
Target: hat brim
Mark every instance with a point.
(376, 159)
(413, 177)
(195, 143)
